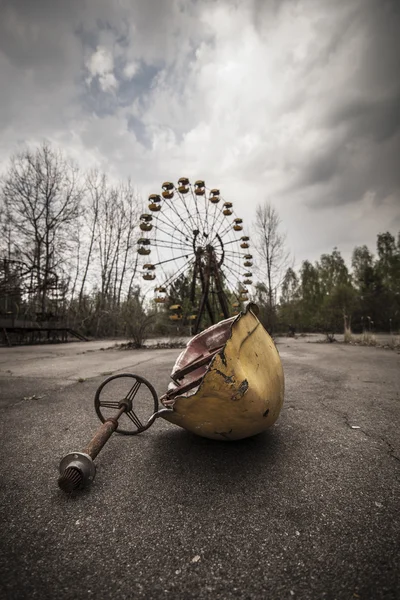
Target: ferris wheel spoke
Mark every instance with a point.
(172, 207)
(177, 238)
(175, 242)
(163, 262)
(207, 225)
(172, 247)
(230, 242)
(235, 254)
(173, 225)
(235, 260)
(223, 218)
(190, 217)
(212, 226)
(172, 278)
(235, 272)
(166, 232)
(228, 227)
(176, 245)
(219, 221)
(229, 286)
(169, 224)
(232, 289)
(220, 234)
(180, 241)
(194, 197)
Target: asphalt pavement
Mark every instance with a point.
(309, 509)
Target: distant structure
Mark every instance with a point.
(32, 304)
(202, 261)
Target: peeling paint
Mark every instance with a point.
(243, 387)
(227, 378)
(223, 357)
(225, 434)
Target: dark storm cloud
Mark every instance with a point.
(361, 120)
(297, 98)
(377, 119)
(30, 32)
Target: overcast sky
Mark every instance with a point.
(295, 102)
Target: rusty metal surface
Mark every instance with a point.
(194, 364)
(101, 436)
(105, 399)
(205, 344)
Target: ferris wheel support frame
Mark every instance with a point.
(205, 286)
(220, 292)
(211, 270)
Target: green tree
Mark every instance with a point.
(311, 296)
(262, 299)
(332, 271)
(337, 292)
(388, 268)
(362, 263)
(369, 287)
(289, 306)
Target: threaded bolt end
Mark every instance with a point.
(71, 479)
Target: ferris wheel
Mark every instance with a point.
(191, 233)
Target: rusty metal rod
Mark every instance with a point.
(103, 434)
(77, 468)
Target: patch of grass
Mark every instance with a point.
(368, 339)
(348, 336)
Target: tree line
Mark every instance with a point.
(75, 234)
(328, 296)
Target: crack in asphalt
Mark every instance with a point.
(68, 382)
(367, 434)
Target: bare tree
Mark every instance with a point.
(41, 193)
(130, 207)
(135, 319)
(78, 238)
(96, 185)
(273, 256)
(110, 223)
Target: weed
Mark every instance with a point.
(394, 343)
(368, 339)
(348, 336)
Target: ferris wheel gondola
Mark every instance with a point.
(145, 222)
